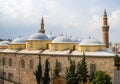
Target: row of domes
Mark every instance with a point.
(58, 39)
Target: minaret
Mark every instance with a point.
(105, 29)
(42, 30)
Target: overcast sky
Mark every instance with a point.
(76, 18)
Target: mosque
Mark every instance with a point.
(19, 58)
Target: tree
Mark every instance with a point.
(57, 69)
(101, 77)
(82, 70)
(46, 77)
(38, 72)
(117, 62)
(79, 72)
(71, 76)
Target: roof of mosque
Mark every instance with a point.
(90, 42)
(4, 43)
(38, 36)
(51, 37)
(62, 39)
(18, 41)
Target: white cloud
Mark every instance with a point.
(95, 23)
(114, 19)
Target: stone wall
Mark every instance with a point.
(26, 76)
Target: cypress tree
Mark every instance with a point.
(46, 77)
(38, 72)
(83, 70)
(57, 69)
(71, 76)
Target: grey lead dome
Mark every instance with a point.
(38, 36)
(62, 39)
(4, 42)
(90, 42)
(18, 41)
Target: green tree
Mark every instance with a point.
(101, 77)
(57, 69)
(82, 70)
(46, 77)
(70, 74)
(117, 62)
(38, 72)
(79, 72)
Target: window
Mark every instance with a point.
(3, 61)
(56, 47)
(19, 48)
(100, 49)
(10, 76)
(31, 64)
(31, 44)
(11, 47)
(3, 74)
(10, 62)
(88, 49)
(92, 70)
(41, 45)
(67, 47)
(22, 63)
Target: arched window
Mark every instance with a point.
(10, 76)
(11, 47)
(10, 62)
(31, 64)
(100, 49)
(67, 47)
(31, 44)
(92, 70)
(3, 61)
(56, 47)
(41, 45)
(19, 48)
(22, 63)
(87, 49)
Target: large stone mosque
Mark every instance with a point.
(19, 58)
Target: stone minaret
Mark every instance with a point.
(42, 30)
(105, 29)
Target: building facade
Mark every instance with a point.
(19, 59)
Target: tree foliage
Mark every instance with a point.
(117, 62)
(70, 74)
(82, 70)
(38, 72)
(101, 78)
(57, 69)
(46, 77)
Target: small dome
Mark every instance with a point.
(90, 42)
(38, 36)
(62, 39)
(51, 37)
(4, 42)
(18, 41)
(76, 40)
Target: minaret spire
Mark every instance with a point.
(42, 30)
(105, 29)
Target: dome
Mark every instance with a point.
(4, 42)
(90, 42)
(18, 41)
(62, 39)
(51, 37)
(76, 40)
(38, 36)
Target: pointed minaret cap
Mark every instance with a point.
(105, 14)
(42, 30)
